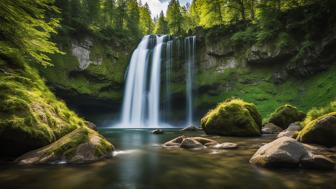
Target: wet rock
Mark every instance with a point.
(205, 141)
(283, 152)
(291, 131)
(82, 145)
(287, 133)
(320, 131)
(91, 125)
(190, 143)
(191, 128)
(175, 142)
(318, 162)
(226, 145)
(157, 131)
(271, 128)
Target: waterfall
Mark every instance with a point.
(141, 103)
(168, 72)
(135, 96)
(190, 46)
(154, 90)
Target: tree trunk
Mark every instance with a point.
(252, 9)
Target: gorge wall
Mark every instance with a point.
(294, 65)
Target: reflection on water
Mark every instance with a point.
(140, 162)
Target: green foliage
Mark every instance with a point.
(233, 117)
(161, 25)
(314, 113)
(25, 28)
(285, 115)
(244, 37)
(146, 22)
(174, 17)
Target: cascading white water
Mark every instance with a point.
(141, 104)
(154, 90)
(190, 46)
(168, 72)
(135, 97)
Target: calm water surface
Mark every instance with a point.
(141, 163)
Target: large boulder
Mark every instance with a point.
(233, 117)
(320, 131)
(283, 152)
(80, 146)
(285, 115)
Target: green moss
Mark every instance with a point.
(320, 131)
(30, 115)
(101, 81)
(81, 145)
(285, 115)
(233, 117)
(255, 85)
(314, 113)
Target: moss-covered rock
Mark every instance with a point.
(80, 146)
(285, 115)
(233, 117)
(320, 131)
(30, 115)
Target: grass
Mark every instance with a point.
(255, 85)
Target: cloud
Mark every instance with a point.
(156, 6)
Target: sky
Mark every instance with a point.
(156, 6)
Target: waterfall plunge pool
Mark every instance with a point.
(140, 163)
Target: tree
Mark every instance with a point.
(161, 25)
(146, 22)
(174, 17)
(26, 30)
(108, 11)
(132, 19)
(121, 13)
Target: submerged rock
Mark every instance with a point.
(175, 142)
(285, 115)
(226, 146)
(283, 152)
(270, 128)
(80, 146)
(320, 131)
(191, 128)
(233, 117)
(157, 131)
(318, 162)
(189, 143)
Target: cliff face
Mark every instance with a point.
(288, 68)
(90, 76)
